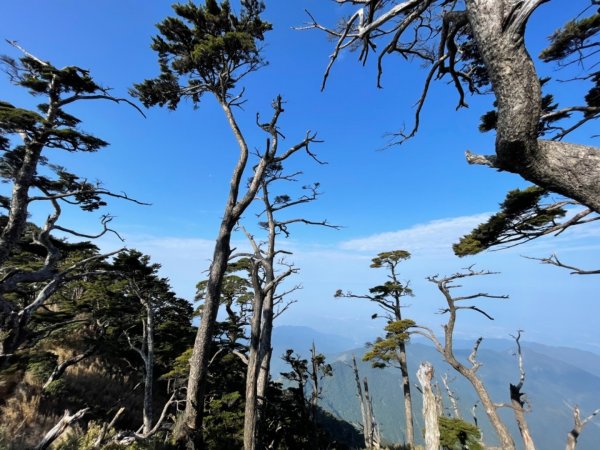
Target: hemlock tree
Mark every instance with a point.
(392, 349)
(477, 44)
(208, 49)
(26, 136)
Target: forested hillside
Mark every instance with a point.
(142, 280)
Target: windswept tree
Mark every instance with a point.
(208, 49)
(391, 350)
(480, 44)
(27, 137)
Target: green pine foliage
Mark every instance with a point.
(572, 38)
(521, 216)
(384, 351)
(204, 48)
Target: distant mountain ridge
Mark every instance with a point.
(557, 378)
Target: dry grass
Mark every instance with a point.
(23, 423)
(28, 413)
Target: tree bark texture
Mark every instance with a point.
(430, 407)
(568, 169)
(191, 435)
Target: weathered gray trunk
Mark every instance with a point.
(149, 370)
(366, 410)
(431, 412)
(60, 369)
(522, 423)
(11, 323)
(506, 440)
(60, 428)
(251, 406)
(568, 169)
(19, 202)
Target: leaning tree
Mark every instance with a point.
(28, 140)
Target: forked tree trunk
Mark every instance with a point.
(366, 409)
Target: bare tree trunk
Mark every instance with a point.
(376, 439)
(190, 430)
(149, 369)
(266, 350)
(470, 373)
(431, 412)
(59, 428)
(192, 420)
(106, 427)
(252, 372)
(314, 398)
(264, 356)
(366, 409)
(578, 427)
(518, 402)
(410, 434)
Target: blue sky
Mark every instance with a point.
(420, 197)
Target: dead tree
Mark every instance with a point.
(518, 400)
(146, 353)
(370, 427)
(445, 348)
(431, 410)
(58, 429)
(579, 424)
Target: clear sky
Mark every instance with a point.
(420, 197)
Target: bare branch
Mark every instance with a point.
(473, 355)
(105, 427)
(578, 426)
(553, 260)
(16, 45)
(60, 427)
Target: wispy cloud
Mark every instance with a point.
(432, 237)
